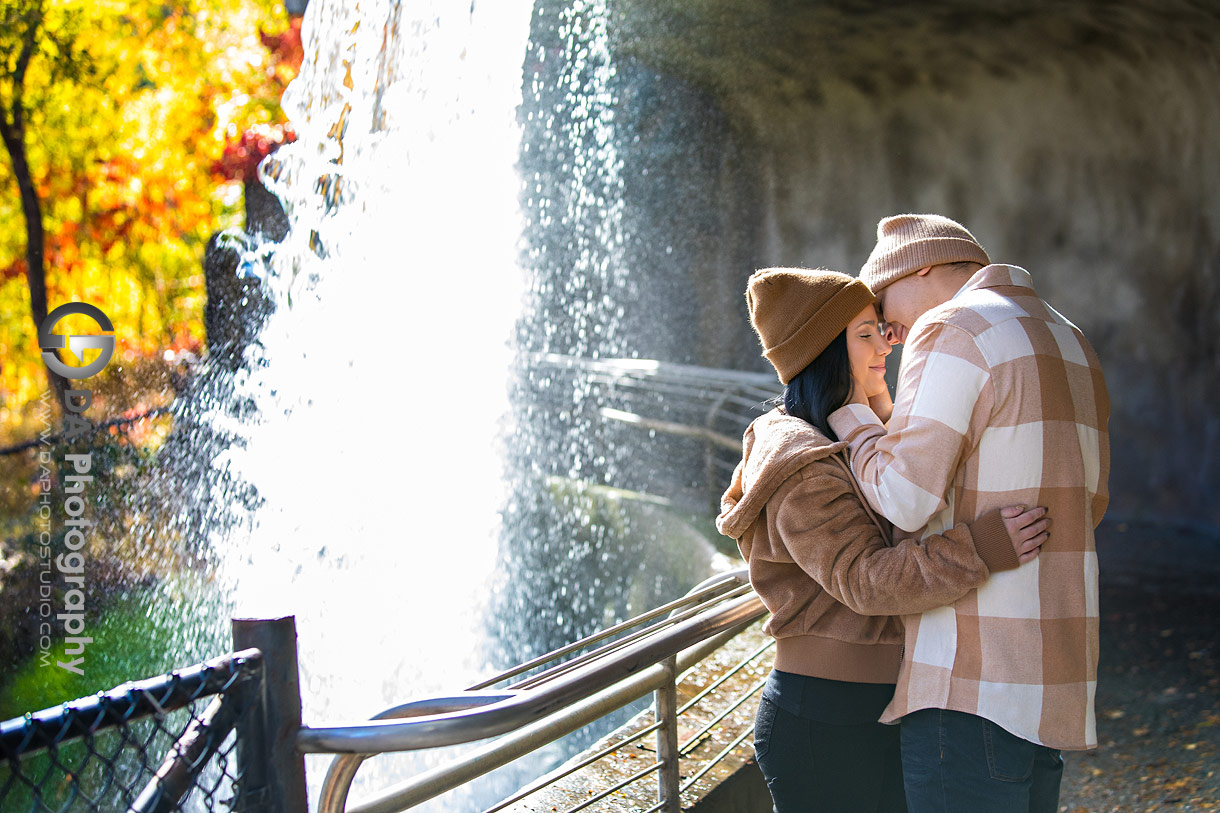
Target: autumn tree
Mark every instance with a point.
(26, 34)
(128, 148)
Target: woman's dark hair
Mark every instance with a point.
(822, 387)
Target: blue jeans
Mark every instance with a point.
(953, 762)
(820, 748)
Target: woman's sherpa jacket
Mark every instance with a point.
(824, 563)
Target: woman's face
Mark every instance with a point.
(866, 350)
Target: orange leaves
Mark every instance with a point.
(134, 166)
(14, 270)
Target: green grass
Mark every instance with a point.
(140, 635)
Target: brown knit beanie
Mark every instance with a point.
(907, 243)
(798, 312)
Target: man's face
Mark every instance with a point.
(897, 305)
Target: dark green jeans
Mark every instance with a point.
(821, 750)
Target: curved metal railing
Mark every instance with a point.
(541, 708)
(705, 404)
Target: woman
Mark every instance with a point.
(823, 562)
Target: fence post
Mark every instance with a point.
(273, 780)
(667, 737)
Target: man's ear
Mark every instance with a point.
(923, 272)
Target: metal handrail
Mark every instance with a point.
(534, 716)
(555, 671)
(512, 709)
(568, 770)
(500, 752)
(685, 386)
(708, 587)
(522, 708)
(653, 368)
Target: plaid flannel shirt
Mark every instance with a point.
(1001, 401)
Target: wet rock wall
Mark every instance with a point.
(1078, 140)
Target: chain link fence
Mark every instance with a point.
(167, 743)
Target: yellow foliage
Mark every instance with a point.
(125, 158)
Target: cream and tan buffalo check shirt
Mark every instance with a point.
(1001, 401)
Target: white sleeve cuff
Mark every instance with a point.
(848, 418)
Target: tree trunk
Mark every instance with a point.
(12, 130)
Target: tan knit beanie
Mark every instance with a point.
(798, 312)
(907, 243)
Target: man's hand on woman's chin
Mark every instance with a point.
(880, 403)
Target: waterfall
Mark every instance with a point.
(381, 380)
(428, 502)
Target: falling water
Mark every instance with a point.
(426, 495)
(384, 367)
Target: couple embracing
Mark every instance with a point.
(936, 640)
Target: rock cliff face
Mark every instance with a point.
(1079, 140)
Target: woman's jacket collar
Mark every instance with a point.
(774, 447)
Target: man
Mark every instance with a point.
(1000, 400)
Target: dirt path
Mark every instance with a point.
(1158, 697)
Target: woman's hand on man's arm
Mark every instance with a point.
(1028, 530)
